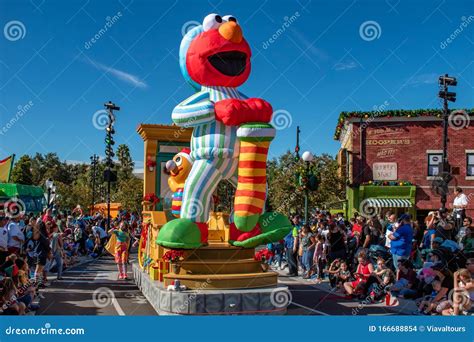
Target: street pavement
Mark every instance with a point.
(92, 288)
(309, 298)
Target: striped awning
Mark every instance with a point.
(389, 203)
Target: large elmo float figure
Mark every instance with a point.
(230, 140)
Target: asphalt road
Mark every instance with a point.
(309, 298)
(93, 289)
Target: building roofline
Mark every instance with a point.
(395, 115)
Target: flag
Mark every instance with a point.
(6, 166)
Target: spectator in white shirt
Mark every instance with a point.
(459, 206)
(3, 239)
(15, 236)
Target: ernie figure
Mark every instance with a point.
(230, 139)
(178, 169)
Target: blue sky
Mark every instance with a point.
(311, 60)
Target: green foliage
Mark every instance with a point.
(21, 172)
(285, 193)
(130, 193)
(74, 181)
(408, 113)
(126, 164)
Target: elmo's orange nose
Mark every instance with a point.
(231, 31)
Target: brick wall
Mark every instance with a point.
(406, 143)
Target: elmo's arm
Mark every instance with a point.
(234, 112)
(194, 111)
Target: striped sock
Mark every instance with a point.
(250, 195)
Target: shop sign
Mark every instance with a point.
(384, 171)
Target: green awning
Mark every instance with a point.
(20, 190)
(389, 203)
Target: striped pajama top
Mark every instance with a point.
(210, 138)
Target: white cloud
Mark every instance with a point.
(309, 46)
(340, 66)
(421, 79)
(119, 74)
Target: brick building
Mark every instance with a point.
(389, 159)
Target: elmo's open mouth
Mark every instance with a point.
(229, 63)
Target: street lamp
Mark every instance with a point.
(445, 81)
(94, 162)
(49, 184)
(307, 158)
(109, 174)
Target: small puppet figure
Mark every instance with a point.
(178, 168)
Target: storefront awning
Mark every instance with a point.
(389, 203)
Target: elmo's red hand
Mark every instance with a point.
(234, 112)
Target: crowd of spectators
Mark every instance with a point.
(33, 247)
(374, 258)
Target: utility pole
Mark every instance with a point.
(109, 175)
(297, 147)
(445, 168)
(94, 161)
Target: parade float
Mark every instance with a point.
(193, 260)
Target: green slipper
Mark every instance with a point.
(179, 233)
(274, 226)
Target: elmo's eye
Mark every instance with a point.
(178, 160)
(229, 18)
(211, 21)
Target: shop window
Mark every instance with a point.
(433, 163)
(470, 164)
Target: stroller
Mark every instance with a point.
(376, 251)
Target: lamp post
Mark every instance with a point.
(307, 158)
(94, 161)
(49, 184)
(445, 170)
(109, 174)
(297, 147)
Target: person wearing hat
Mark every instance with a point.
(3, 239)
(437, 241)
(446, 231)
(401, 239)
